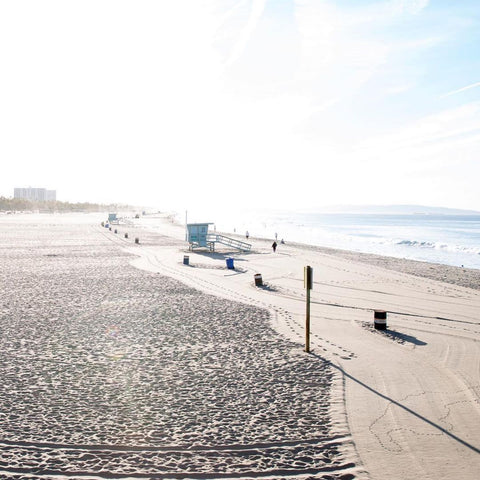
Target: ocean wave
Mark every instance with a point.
(414, 243)
(440, 246)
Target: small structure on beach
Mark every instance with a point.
(198, 236)
(112, 218)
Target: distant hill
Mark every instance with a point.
(396, 210)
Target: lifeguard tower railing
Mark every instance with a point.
(213, 238)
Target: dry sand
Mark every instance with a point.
(109, 371)
(119, 361)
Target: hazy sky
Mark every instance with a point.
(282, 103)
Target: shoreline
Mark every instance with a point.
(460, 276)
(443, 239)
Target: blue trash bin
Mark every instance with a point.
(230, 263)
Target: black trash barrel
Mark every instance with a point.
(380, 319)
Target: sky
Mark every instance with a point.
(242, 103)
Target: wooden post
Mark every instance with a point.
(308, 280)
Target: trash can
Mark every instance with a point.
(380, 319)
(137, 240)
(126, 235)
(116, 231)
(186, 260)
(258, 279)
(230, 263)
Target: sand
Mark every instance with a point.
(119, 361)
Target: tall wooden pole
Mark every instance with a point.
(307, 323)
(308, 280)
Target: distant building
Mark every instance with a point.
(51, 195)
(35, 194)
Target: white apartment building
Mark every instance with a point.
(35, 194)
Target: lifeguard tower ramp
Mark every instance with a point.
(199, 237)
(230, 242)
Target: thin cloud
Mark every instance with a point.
(454, 126)
(463, 89)
(256, 11)
(410, 6)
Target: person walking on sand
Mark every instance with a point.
(274, 246)
(247, 234)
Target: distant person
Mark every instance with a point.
(247, 234)
(276, 236)
(282, 241)
(274, 246)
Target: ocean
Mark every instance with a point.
(445, 239)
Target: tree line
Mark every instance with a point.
(22, 205)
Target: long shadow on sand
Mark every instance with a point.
(398, 404)
(403, 337)
(398, 337)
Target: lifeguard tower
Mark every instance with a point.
(197, 235)
(200, 237)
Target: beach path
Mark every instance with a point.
(411, 392)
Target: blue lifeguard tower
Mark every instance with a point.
(198, 236)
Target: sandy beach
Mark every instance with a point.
(120, 361)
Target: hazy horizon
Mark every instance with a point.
(242, 103)
(402, 209)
